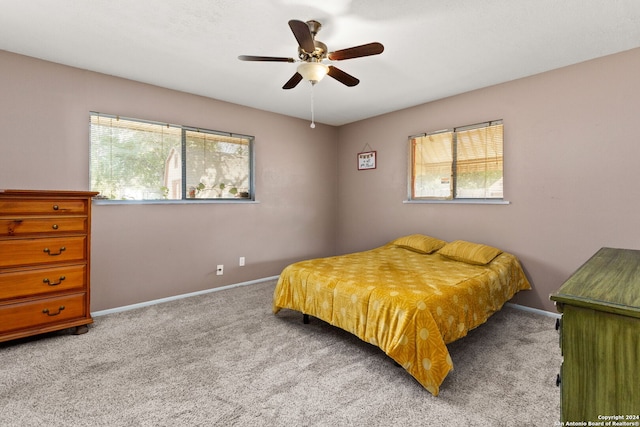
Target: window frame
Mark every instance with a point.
(454, 198)
(184, 192)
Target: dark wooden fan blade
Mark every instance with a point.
(357, 51)
(303, 35)
(293, 81)
(265, 58)
(342, 77)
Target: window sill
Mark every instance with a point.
(459, 202)
(175, 202)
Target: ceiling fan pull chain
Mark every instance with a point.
(313, 124)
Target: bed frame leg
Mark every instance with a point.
(305, 318)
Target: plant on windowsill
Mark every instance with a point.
(219, 189)
(165, 192)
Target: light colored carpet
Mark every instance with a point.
(223, 359)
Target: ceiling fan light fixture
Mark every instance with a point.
(313, 71)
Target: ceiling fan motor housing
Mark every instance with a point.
(317, 55)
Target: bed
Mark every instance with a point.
(409, 297)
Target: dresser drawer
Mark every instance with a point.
(18, 252)
(34, 225)
(42, 312)
(26, 283)
(53, 206)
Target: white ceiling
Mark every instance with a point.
(433, 48)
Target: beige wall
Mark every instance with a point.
(571, 171)
(571, 151)
(145, 252)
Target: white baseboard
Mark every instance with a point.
(253, 282)
(534, 310)
(177, 297)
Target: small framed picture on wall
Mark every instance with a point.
(366, 160)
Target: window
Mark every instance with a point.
(463, 163)
(141, 160)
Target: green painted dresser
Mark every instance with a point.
(600, 340)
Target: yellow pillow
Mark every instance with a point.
(419, 243)
(471, 253)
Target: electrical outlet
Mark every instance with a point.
(241, 261)
(220, 270)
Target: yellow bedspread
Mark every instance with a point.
(408, 304)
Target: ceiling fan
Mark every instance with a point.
(312, 53)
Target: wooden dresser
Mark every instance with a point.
(45, 241)
(600, 339)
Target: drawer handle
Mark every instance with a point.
(48, 251)
(47, 281)
(56, 207)
(46, 311)
(54, 226)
